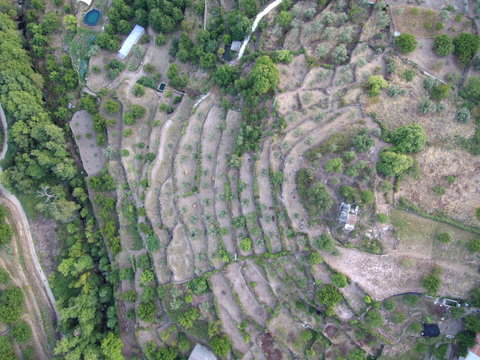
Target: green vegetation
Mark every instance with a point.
(314, 195)
(329, 296)
(466, 46)
(375, 84)
(443, 45)
(432, 283)
(406, 43)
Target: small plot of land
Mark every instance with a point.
(419, 238)
(86, 139)
(427, 23)
(370, 271)
(458, 199)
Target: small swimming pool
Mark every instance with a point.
(92, 17)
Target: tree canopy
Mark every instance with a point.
(466, 46)
(264, 76)
(406, 43)
(408, 139)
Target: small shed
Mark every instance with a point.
(200, 352)
(236, 45)
(348, 215)
(130, 41)
(430, 330)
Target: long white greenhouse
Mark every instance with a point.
(130, 41)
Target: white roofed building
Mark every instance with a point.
(130, 41)
(200, 352)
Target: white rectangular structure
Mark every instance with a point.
(130, 41)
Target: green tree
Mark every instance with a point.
(198, 285)
(367, 196)
(221, 345)
(329, 296)
(374, 319)
(432, 283)
(225, 75)
(363, 142)
(70, 22)
(408, 139)
(146, 311)
(406, 43)
(246, 244)
(5, 234)
(264, 76)
(248, 7)
(375, 84)
(466, 46)
(238, 25)
(471, 90)
(356, 354)
(147, 276)
(443, 45)
(21, 332)
(339, 280)
(474, 245)
(188, 318)
(6, 349)
(112, 347)
(324, 242)
(334, 165)
(111, 107)
(393, 164)
(472, 323)
(464, 340)
(284, 19)
(4, 277)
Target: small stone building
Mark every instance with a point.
(200, 352)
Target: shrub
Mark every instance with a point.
(363, 142)
(439, 190)
(324, 242)
(339, 280)
(340, 54)
(334, 165)
(198, 285)
(463, 115)
(160, 40)
(398, 317)
(315, 258)
(396, 91)
(138, 90)
(444, 237)
(220, 346)
(465, 47)
(146, 277)
(440, 92)
(474, 245)
(426, 107)
(284, 19)
(408, 75)
(188, 318)
(375, 84)
(389, 305)
(383, 218)
(329, 296)
(406, 43)
(21, 332)
(367, 196)
(471, 90)
(246, 244)
(432, 283)
(443, 45)
(5, 233)
(373, 319)
(146, 311)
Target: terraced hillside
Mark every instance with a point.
(226, 249)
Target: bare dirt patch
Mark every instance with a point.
(86, 139)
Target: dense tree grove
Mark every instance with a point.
(39, 165)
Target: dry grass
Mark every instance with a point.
(461, 198)
(441, 127)
(421, 22)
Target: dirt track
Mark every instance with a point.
(26, 272)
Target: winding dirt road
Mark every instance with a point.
(26, 271)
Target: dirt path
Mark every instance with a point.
(28, 269)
